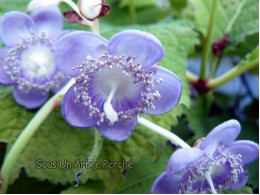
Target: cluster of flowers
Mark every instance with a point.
(115, 81)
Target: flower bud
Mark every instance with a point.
(35, 4)
(93, 9)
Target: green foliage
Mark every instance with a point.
(244, 190)
(138, 3)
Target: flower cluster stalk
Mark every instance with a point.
(28, 132)
(207, 43)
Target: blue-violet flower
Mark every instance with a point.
(215, 162)
(27, 62)
(116, 80)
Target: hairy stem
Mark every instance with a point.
(165, 133)
(215, 62)
(191, 77)
(98, 143)
(28, 132)
(231, 74)
(207, 43)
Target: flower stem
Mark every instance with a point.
(207, 43)
(165, 133)
(234, 72)
(132, 12)
(28, 132)
(215, 62)
(98, 143)
(191, 77)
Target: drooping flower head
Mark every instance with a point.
(27, 62)
(116, 80)
(214, 163)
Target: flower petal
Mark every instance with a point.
(74, 113)
(48, 19)
(224, 133)
(170, 90)
(166, 184)
(119, 131)
(62, 84)
(145, 46)
(31, 100)
(182, 158)
(248, 149)
(4, 77)
(73, 48)
(15, 26)
(242, 180)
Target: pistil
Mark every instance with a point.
(209, 179)
(108, 107)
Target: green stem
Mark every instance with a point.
(132, 12)
(234, 72)
(191, 77)
(207, 43)
(98, 143)
(28, 132)
(96, 147)
(215, 62)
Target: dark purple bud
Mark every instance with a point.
(220, 45)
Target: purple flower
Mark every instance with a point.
(116, 80)
(27, 62)
(215, 162)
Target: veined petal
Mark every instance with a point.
(14, 27)
(144, 46)
(242, 180)
(182, 158)
(74, 113)
(48, 19)
(73, 48)
(4, 77)
(247, 149)
(166, 184)
(170, 90)
(119, 131)
(224, 133)
(31, 100)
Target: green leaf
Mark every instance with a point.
(138, 3)
(251, 57)
(201, 10)
(244, 190)
(247, 22)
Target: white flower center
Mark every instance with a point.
(114, 84)
(38, 61)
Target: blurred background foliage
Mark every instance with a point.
(181, 27)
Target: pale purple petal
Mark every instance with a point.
(170, 90)
(166, 184)
(146, 47)
(48, 19)
(74, 113)
(242, 180)
(224, 133)
(182, 158)
(4, 77)
(73, 48)
(31, 100)
(14, 27)
(248, 150)
(119, 131)
(62, 84)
